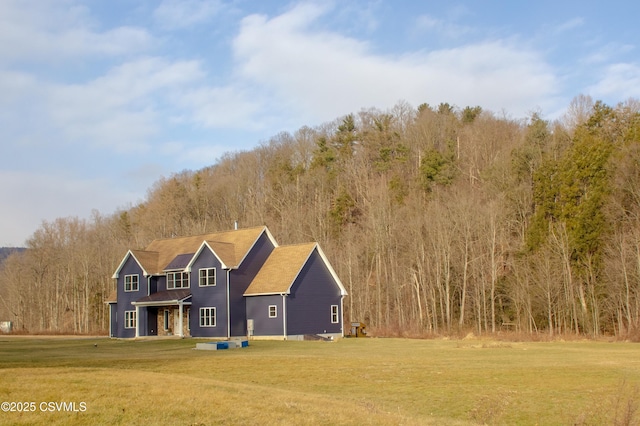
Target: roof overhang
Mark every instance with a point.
(116, 274)
(164, 298)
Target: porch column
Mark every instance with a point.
(137, 321)
(180, 330)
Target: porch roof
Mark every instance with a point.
(167, 297)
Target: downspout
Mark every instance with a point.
(342, 315)
(284, 316)
(228, 307)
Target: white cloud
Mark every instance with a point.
(620, 81)
(121, 108)
(320, 75)
(177, 14)
(222, 107)
(442, 28)
(35, 31)
(569, 25)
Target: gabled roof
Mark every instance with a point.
(231, 247)
(283, 266)
(148, 261)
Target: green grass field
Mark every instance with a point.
(351, 381)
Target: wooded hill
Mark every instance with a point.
(437, 220)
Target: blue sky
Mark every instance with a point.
(100, 99)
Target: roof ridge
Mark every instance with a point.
(208, 233)
(296, 244)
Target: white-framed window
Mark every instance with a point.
(129, 319)
(177, 280)
(131, 282)
(166, 320)
(207, 277)
(273, 311)
(334, 314)
(207, 317)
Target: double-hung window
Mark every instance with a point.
(207, 317)
(207, 277)
(334, 314)
(129, 319)
(177, 280)
(131, 282)
(273, 311)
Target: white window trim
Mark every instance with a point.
(137, 282)
(206, 277)
(335, 314)
(275, 311)
(208, 312)
(165, 320)
(182, 280)
(130, 319)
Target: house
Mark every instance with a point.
(226, 284)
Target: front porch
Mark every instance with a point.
(167, 313)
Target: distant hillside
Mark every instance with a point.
(6, 251)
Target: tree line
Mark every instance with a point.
(437, 220)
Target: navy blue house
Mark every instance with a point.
(227, 284)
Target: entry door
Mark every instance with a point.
(152, 321)
(176, 322)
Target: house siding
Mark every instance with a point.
(258, 311)
(208, 297)
(125, 298)
(311, 297)
(241, 278)
(113, 317)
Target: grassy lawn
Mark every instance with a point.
(351, 381)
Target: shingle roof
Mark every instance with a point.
(280, 270)
(226, 252)
(166, 296)
(112, 297)
(147, 259)
(231, 246)
(179, 262)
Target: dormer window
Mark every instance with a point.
(177, 280)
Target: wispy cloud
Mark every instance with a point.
(440, 27)
(35, 31)
(178, 14)
(619, 82)
(325, 74)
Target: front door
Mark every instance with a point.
(177, 327)
(152, 321)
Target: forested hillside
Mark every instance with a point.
(437, 220)
(6, 251)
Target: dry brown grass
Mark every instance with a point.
(351, 381)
